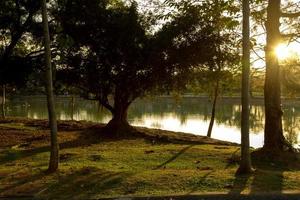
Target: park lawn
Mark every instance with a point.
(95, 167)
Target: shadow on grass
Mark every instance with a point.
(85, 183)
(268, 175)
(80, 184)
(21, 178)
(239, 184)
(174, 157)
(86, 138)
(199, 182)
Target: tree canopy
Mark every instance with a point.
(17, 19)
(111, 54)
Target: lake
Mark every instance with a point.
(188, 114)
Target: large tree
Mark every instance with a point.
(114, 60)
(274, 138)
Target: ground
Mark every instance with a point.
(153, 163)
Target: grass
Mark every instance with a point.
(17, 126)
(93, 167)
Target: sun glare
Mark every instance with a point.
(283, 51)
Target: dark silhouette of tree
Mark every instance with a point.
(16, 20)
(114, 60)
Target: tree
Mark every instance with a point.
(118, 61)
(225, 57)
(274, 138)
(16, 20)
(216, 76)
(245, 164)
(53, 163)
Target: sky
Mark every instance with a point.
(284, 51)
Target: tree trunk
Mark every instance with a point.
(213, 110)
(53, 163)
(3, 103)
(118, 126)
(72, 107)
(274, 139)
(245, 164)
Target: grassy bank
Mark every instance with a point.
(157, 163)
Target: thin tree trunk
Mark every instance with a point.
(274, 140)
(53, 163)
(72, 107)
(216, 89)
(245, 164)
(213, 110)
(3, 103)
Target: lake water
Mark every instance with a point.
(189, 114)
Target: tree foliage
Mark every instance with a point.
(17, 19)
(111, 54)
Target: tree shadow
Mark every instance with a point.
(239, 184)
(174, 157)
(268, 175)
(201, 180)
(23, 178)
(86, 138)
(271, 170)
(80, 184)
(85, 183)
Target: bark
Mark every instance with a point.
(245, 164)
(53, 163)
(3, 102)
(274, 139)
(213, 110)
(118, 126)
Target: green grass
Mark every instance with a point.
(136, 167)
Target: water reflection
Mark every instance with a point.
(189, 115)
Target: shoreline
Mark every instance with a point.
(151, 133)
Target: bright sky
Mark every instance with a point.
(283, 51)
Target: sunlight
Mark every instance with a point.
(283, 51)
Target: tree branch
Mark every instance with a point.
(290, 15)
(106, 105)
(16, 37)
(35, 53)
(103, 101)
(289, 36)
